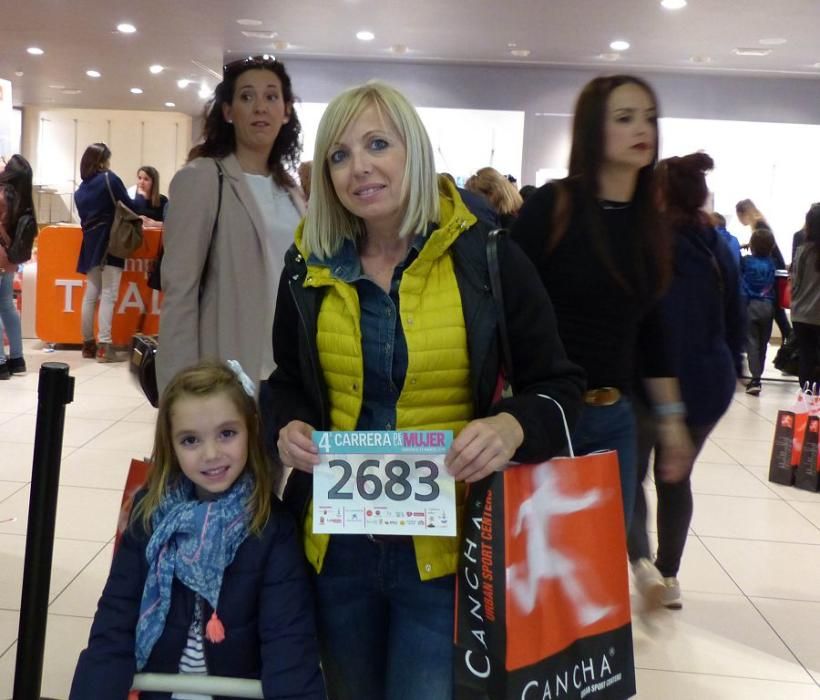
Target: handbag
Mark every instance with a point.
(144, 347)
(542, 596)
(126, 229)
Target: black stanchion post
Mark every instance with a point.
(56, 389)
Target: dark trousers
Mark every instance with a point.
(808, 342)
(760, 330)
(675, 504)
(782, 323)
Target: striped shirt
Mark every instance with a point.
(193, 655)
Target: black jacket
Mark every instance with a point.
(296, 389)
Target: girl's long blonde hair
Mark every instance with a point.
(205, 379)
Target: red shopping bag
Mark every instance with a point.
(807, 474)
(789, 436)
(542, 602)
(783, 285)
(137, 476)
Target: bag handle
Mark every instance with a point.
(110, 191)
(564, 419)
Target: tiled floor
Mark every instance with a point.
(751, 573)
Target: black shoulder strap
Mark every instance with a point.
(221, 176)
(494, 269)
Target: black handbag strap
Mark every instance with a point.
(494, 269)
(221, 176)
(110, 191)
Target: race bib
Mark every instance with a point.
(384, 483)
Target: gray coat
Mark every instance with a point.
(227, 317)
(805, 306)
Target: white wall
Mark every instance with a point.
(54, 141)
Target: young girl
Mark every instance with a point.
(209, 577)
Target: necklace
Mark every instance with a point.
(608, 205)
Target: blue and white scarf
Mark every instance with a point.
(194, 541)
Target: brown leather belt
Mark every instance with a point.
(604, 396)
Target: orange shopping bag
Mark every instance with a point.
(137, 476)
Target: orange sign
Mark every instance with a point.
(60, 288)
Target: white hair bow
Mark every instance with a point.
(246, 382)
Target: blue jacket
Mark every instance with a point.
(706, 321)
(96, 210)
(758, 278)
(265, 604)
(731, 241)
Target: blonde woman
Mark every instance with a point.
(500, 192)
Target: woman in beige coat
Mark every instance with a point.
(233, 209)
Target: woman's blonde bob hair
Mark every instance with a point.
(496, 188)
(328, 223)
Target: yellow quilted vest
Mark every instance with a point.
(436, 393)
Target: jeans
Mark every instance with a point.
(383, 633)
(675, 502)
(611, 428)
(761, 314)
(101, 283)
(9, 318)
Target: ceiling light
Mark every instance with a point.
(609, 56)
(511, 45)
(673, 4)
(125, 28)
(258, 34)
(773, 41)
(365, 35)
(399, 49)
(281, 45)
(740, 51)
(57, 87)
(35, 51)
(204, 92)
(156, 69)
(71, 91)
(700, 59)
(136, 91)
(520, 53)
(19, 73)
(170, 104)
(619, 45)
(183, 83)
(93, 73)
(249, 22)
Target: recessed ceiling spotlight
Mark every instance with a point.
(93, 73)
(170, 104)
(619, 45)
(156, 69)
(365, 35)
(773, 41)
(511, 45)
(249, 22)
(281, 45)
(136, 91)
(19, 73)
(741, 51)
(673, 4)
(35, 51)
(520, 53)
(700, 59)
(57, 87)
(399, 49)
(126, 28)
(204, 92)
(609, 56)
(258, 34)
(183, 83)
(71, 91)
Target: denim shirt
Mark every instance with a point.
(384, 348)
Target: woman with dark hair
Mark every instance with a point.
(96, 199)
(806, 298)
(18, 227)
(596, 241)
(705, 321)
(148, 202)
(232, 213)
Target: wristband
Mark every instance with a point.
(673, 408)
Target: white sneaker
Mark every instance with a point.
(671, 597)
(650, 583)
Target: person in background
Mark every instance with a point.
(605, 260)
(16, 214)
(805, 306)
(304, 170)
(749, 215)
(96, 199)
(384, 322)
(718, 222)
(208, 577)
(148, 202)
(758, 280)
(499, 191)
(705, 322)
(231, 217)
(476, 203)
(526, 191)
